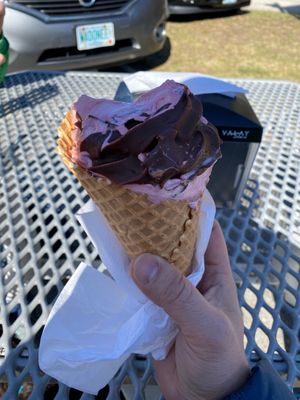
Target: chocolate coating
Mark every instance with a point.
(159, 136)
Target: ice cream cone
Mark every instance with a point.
(168, 229)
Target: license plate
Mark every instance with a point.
(94, 36)
(229, 1)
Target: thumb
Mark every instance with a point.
(169, 289)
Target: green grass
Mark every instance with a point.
(259, 44)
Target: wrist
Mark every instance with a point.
(239, 379)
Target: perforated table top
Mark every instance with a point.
(41, 242)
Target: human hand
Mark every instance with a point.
(207, 360)
(2, 13)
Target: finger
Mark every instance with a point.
(218, 270)
(169, 289)
(217, 284)
(166, 372)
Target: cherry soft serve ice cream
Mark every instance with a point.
(146, 165)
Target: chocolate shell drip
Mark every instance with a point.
(158, 137)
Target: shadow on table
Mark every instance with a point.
(136, 372)
(29, 99)
(28, 78)
(9, 154)
(266, 266)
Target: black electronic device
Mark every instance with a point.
(241, 132)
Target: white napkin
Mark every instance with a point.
(140, 82)
(97, 322)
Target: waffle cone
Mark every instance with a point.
(168, 229)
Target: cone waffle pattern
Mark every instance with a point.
(168, 229)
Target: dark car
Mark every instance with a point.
(71, 34)
(205, 6)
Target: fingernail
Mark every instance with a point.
(145, 269)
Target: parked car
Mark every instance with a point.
(204, 6)
(72, 34)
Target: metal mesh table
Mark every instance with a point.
(41, 242)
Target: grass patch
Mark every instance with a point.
(258, 44)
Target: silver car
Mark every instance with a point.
(72, 34)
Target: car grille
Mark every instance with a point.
(71, 53)
(58, 8)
